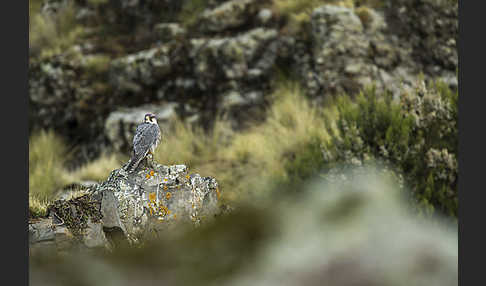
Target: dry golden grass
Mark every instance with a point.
(47, 174)
(192, 146)
(246, 163)
(37, 207)
(97, 170)
(47, 155)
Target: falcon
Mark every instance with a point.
(147, 137)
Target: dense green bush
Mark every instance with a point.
(415, 136)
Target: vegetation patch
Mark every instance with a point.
(416, 137)
(190, 11)
(76, 212)
(53, 33)
(297, 13)
(47, 155)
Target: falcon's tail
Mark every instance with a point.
(133, 163)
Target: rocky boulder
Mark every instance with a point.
(349, 48)
(229, 15)
(433, 38)
(126, 208)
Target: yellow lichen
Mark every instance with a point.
(218, 194)
(163, 210)
(152, 197)
(168, 195)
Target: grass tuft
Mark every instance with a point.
(97, 170)
(51, 34)
(47, 155)
(252, 161)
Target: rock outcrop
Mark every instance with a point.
(127, 207)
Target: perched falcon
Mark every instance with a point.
(147, 137)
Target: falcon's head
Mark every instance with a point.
(150, 118)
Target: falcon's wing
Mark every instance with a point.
(145, 136)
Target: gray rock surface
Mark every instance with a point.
(169, 31)
(126, 208)
(228, 15)
(134, 72)
(150, 199)
(244, 57)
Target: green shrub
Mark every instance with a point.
(416, 136)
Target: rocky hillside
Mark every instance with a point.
(96, 65)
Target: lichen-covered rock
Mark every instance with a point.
(340, 48)
(230, 14)
(169, 31)
(128, 207)
(245, 57)
(152, 198)
(121, 124)
(351, 48)
(54, 86)
(135, 72)
(68, 94)
(433, 38)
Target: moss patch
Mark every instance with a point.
(76, 212)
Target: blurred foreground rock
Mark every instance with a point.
(354, 231)
(125, 208)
